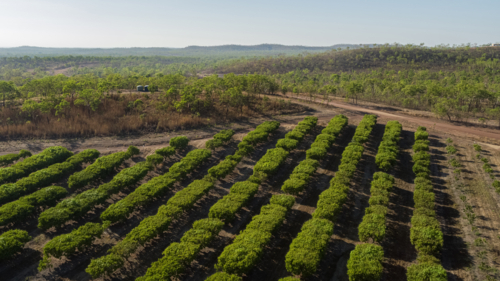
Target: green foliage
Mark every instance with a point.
(388, 149)
(68, 244)
(317, 153)
(101, 167)
(496, 185)
(12, 242)
(12, 157)
(308, 248)
(177, 256)
(270, 162)
(427, 271)
(179, 143)
(222, 276)
(166, 151)
(373, 223)
(154, 159)
(47, 157)
(224, 135)
(365, 263)
(219, 139)
(75, 207)
(44, 177)
(450, 149)
(247, 248)
(287, 144)
(477, 147)
(156, 186)
(104, 265)
(227, 207)
(21, 209)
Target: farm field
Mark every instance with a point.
(466, 204)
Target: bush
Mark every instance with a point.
(73, 208)
(227, 207)
(12, 242)
(365, 263)
(21, 209)
(10, 158)
(222, 276)
(270, 162)
(47, 157)
(317, 153)
(154, 159)
(426, 271)
(44, 177)
(156, 186)
(287, 144)
(68, 244)
(104, 265)
(224, 135)
(450, 149)
(213, 144)
(100, 168)
(496, 185)
(308, 248)
(166, 151)
(179, 143)
(177, 256)
(247, 248)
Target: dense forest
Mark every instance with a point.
(459, 84)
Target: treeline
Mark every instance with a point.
(58, 106)
(395, 56)
(21, 70)
(455, 95)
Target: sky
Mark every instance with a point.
(167, 23)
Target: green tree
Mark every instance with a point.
(89, 98)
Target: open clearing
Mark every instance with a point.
(458, 258)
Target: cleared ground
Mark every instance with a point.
(460, 257)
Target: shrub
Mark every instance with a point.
(317, 153)
(179, 143)
(224, 135)
(156, 186)
(477, 147)
(287, 144)
(247, 248)
(12, 242)
(68, 244)
(47, 157)
(222, 276)
(21, 209)
(101, 167)
(426, 271)
(44, 177)
(10, 158)
(450, 149)
(365, 263)
(166, 151)
(308, 248)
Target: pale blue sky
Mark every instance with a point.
(155, 23)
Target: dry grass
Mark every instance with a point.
(115, 117)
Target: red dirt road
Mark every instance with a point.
(480, 134)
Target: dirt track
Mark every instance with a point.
(399, 252)
(432, 124)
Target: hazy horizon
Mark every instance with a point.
(177, 24)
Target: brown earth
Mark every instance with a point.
(457, 257)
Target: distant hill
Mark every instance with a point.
(190, 51)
